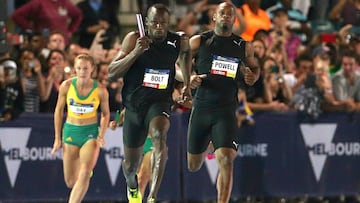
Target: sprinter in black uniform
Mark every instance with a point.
(222, 62)
(148, 67)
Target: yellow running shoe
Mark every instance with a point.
(151, 200)
(134, 195)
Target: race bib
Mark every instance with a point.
(81, 108)
(225, 66)
(157, 79)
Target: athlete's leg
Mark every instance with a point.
(225, 159)
(198, 140)
(71, 164)
(89, 154)
(130, 165)
(134, 135)
(158, 129)
(195, 161)
(144, 173)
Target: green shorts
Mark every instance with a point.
(136, 123)
(218, 126)
(148, 146)
(79, 135)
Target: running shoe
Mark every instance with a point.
(151, 200)
(134, 195)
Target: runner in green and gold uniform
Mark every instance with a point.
(81, 137)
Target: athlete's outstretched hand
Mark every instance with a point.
(56, 146)
(196, 80)
(112, 125)
(119, 120)
(185, 97)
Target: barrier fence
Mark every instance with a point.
(282, 155)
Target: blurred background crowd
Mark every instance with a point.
(308, 50)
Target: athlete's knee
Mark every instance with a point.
(70, 181)
(130, 166)
(84, 174)
(194, 165)
(159, 134)
(159, 128)
(224, 159)
(159, 143)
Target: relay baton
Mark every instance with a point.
(117, 117)
(140, 25)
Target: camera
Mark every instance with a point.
(310, 81)
(328, 37)
(15, 39)
(31, 64)
(274, 69)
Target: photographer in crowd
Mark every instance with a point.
(11, 93)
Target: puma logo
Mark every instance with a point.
(172, 43)
(166, 114)
(237, 43)
(235, 144)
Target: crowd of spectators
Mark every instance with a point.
(301, 58)
(48, 35)
(305, 66)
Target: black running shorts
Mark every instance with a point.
(218, 126)
(136, 123)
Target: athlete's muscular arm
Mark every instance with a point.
(185, 60)
(252, 71)
(105, 112)
(195, 80)
(194, 44)
(59, 113)
(132, 47)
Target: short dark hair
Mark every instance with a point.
(55, 51)
(350, 54)
(302, 57)
(260, 33)
(159, 6)
(277, 12)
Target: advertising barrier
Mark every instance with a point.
(281, 155)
